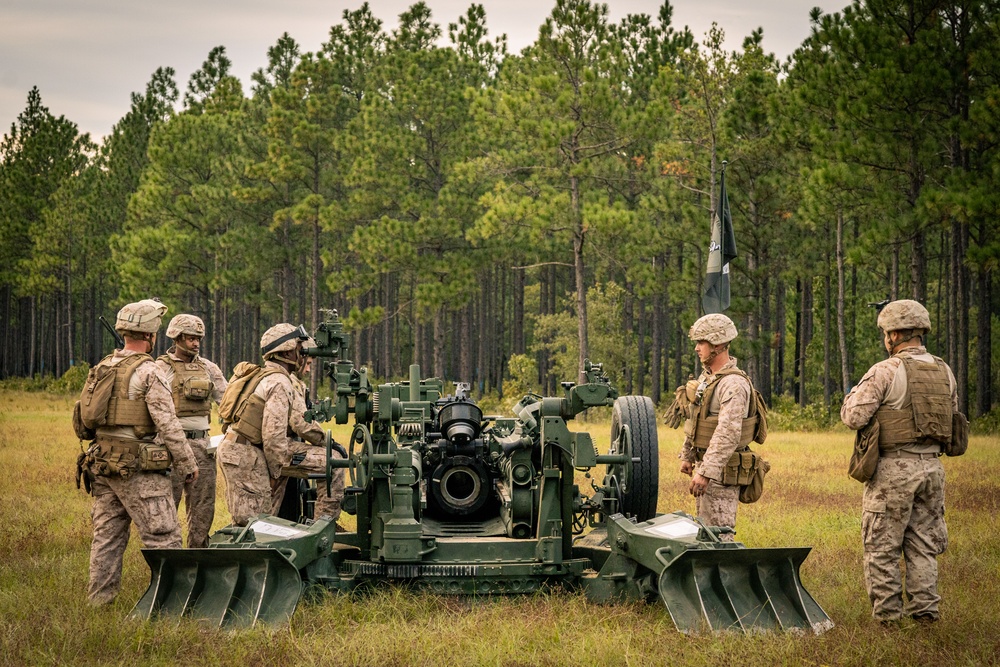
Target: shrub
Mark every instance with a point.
(988, 424)
(72, 380)
(787, 415)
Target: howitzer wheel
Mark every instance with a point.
(633, 432)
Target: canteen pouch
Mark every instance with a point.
(83, 432)
(864, 459)
(751, 493)
(959, 441)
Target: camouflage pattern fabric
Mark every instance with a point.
(148, 383)
(717, 507)
(250, 477)
(885, 384)
(731, 402)
(903, 506)
(903, 515)
(145, 497)
(314, 451)
(248, 487)
(199, 496)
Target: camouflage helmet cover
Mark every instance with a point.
(291, 334)
(716, 328)
(904, 314)
(142, 316)
(192, 325)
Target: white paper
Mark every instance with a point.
(675, 529)
(265, 528)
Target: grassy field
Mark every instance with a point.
(809, 500)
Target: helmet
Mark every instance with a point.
(192, 325)
(716, 328)
(904, 314)
(283, 338)
(143, 316)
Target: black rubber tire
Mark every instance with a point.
(639, 414)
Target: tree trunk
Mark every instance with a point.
(517, 328)
(984, 335)
(845, 369)
(580, 275)
(656, 345)
(438, 351)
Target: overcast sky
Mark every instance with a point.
(88, 56)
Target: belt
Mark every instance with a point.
(240, 440)
(196, 435)
(105, 443)
(900, 454)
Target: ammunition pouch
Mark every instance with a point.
(740, 468)
(864, 459)
(117, 456)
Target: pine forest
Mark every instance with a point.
(499, 217)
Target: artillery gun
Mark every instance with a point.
(458, 502)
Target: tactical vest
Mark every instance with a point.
(191, 387)
(241, 409)
(121, 410)
(701, 426)
(925, 418)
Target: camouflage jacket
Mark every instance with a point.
(311, 432)
(219, 385)
(731, 402)
(148, 383)
(279, 397)
(885, 384)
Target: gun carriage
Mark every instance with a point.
(453, 500)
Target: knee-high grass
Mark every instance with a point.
(808, 500)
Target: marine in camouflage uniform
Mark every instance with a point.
(912, 396)
(194, 382)
(309, 450)
(253, 469)
(143, 498)
(714, 434)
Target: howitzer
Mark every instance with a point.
(452, 500)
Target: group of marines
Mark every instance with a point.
(911, 396)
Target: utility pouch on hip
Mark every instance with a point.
(959, 441)
(751, 493)
(153, 457)
(740, 469)
(864, 459)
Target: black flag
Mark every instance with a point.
(720, 252)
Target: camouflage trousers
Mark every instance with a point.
(717, 507)
(248, 484)
(143, 499)
(199, 496)
(314, 463)
(903, 516)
